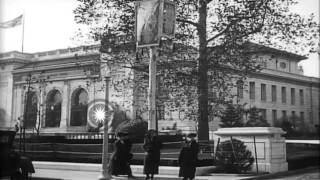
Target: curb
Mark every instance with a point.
(136, 169)
(283, 174)
(90, 167)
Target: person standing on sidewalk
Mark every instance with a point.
(120, 158)
(152, 146)
(188, 158)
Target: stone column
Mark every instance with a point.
(9, 100)
(20, 101)
(65, 106)
(15, 103)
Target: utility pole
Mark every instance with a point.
(152, 121)
(150, 27)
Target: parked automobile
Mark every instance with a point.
(13, 165)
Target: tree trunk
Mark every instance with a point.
(203, 126)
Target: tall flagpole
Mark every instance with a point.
(23, 18)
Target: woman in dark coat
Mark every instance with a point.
(152, 147)
(188, 158)
(120, 158)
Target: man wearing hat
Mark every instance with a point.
(152, 146)
(120, 158)
(188, 158)
(191, 139)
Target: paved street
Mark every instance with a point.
(312, 175)
(306, 176)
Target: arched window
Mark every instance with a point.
(79, 107)
(53, 109)
(31, 110)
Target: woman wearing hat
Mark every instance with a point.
(152, 147)
(120, 158)
(188, 158)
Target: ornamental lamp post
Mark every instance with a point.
(105, 173)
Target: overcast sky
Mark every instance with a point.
(49, 25)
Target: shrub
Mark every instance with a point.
(287, 126)
(294, 127)
(255, 120)
(94, 129)
(231, 117)
(233, 157)
(135, 128)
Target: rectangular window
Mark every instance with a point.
(284, 114)
(160, 112)
(263, 92)
(293, 115)
(302, 116)
(301, 96)
(263, 113)
(273, 93)
(274, 116)
(293, 96)
(212, 95)
(284, 94)
(240, 90)
(252, 90)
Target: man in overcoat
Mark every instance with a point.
(120, 158)
(152, 146)
(188, 158)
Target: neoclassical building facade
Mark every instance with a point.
(60, 91)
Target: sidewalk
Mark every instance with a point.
(48, 174)
(87, 171)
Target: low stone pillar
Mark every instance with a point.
(270, 146)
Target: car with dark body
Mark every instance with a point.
(13, 164)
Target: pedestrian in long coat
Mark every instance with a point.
(188, 158)
(152, 146)
(120, 158)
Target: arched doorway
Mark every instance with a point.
(31, 110)
(53, 109)
(79, 107)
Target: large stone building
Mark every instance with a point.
(65, 87)
(281, 90)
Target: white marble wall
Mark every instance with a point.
(270, 146)
(6, 83)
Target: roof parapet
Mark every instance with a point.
(16, 55)
(48, 54)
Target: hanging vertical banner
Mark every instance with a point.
(147, 23)
(154, 19)
(169, 19)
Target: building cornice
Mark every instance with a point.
(13, 61)
(17, 83)
(42, 66)
(284, 76)
(254, 48)
(54, 54)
